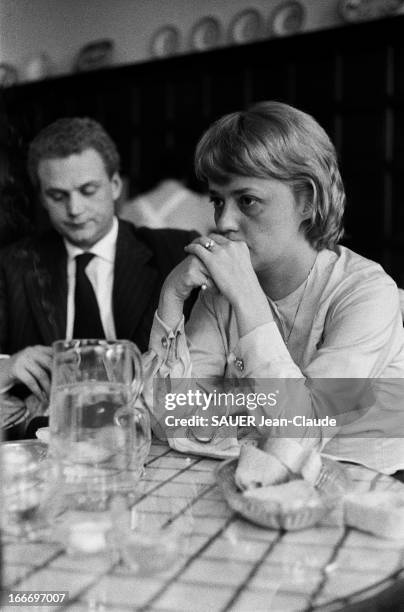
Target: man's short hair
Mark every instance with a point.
(71, 136)
(275, 140)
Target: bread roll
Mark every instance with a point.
(288, 496)
(300, 460)
(258, 469)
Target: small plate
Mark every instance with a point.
(28, 450)
(206, 34)
(288, 18)
(43, 434)
(332, 482)
(8, 75)
(165, 42)
(246, 27)
(97, 54)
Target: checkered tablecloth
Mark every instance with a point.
(224, 562)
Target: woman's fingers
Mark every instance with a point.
(201, 251)
(208, 284)
(215, 244)
(197, 274)
(219, 239)
(209, 242)
(196, 249)
(204, 241)
(228, 264)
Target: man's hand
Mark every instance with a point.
(12, 410)
(31, 366)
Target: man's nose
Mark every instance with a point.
(75, 204)
(228, 219)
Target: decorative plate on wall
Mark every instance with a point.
(206, 34)
(8, 75)
(165, 41)
(246, 27)
(287, 18)
(360, 10)
(37, 67)
(97, 54)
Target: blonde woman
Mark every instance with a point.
(283, 300)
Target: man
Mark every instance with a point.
(75, 167)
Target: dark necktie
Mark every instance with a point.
(87, 320)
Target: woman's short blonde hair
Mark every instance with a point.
(275, 140)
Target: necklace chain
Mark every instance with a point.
(287, 337)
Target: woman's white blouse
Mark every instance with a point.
(348, 327)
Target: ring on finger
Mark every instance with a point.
(209, 245)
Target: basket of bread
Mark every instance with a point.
(283, 485)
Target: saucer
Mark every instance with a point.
(43, 434)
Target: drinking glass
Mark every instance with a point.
(23, 475)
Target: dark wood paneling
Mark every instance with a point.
(365, 74)
(350, 78)
(363, 139)
(271, 79)
(364, 217)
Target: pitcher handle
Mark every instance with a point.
(137, 381)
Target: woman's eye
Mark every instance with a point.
(248, 203)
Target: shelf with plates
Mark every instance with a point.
(349, 78)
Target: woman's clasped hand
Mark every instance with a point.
(227, 262)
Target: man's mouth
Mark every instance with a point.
(76, 226)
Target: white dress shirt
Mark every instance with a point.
(100, 272)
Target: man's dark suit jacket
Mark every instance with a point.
(33, 285)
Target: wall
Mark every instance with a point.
(61, 27)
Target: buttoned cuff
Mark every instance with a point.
(263, 352)
(164, 338)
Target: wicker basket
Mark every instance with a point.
(331, 484)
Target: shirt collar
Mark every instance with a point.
(104, 248)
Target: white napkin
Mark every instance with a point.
(221, 448)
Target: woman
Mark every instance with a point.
(283, 300)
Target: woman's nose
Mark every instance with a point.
(227, 220)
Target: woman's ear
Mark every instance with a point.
(306, 210)
(308, 198)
